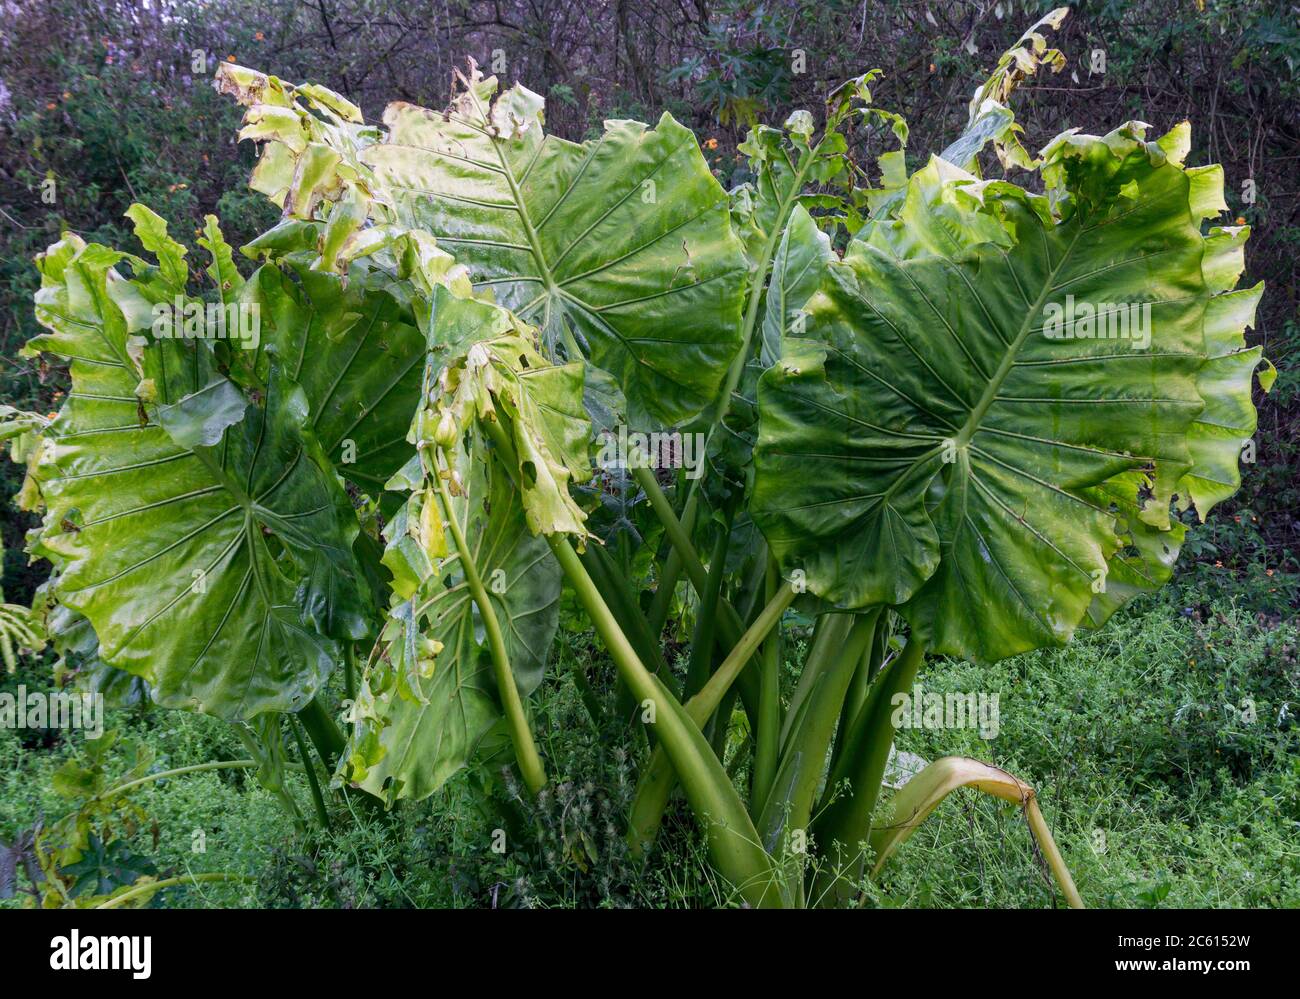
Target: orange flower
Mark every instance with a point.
(50, 106)
(230, 58)
(1241, 220)
(710, 143)
(1268, 572)
(1218, 565)
(259, 36)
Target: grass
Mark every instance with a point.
(1159, 787)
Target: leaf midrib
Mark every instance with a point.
(1008, 361)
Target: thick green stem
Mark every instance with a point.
(829, 634)
(317, 798)
(323, 732)
(258, 748)
(728, 626)
(718, 730)
(879, 652)
(182, 879)
(350, 671)
(697, 672)
(672, 572)
(530, 763)
(622, 602)
(733, 843)
(853, 701)
(588, 696)
(866, 672)
(754, 303)
(196, 768)
(767, 742)
(747, 593)
(673, 527)
(502, 442)
(703, 704)
(659, 777)
(803, 760)
(1047, 845)
(846, 820)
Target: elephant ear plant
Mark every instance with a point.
(940, 413)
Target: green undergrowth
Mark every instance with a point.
(1164, 750)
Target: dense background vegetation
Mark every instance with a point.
(1160, 794)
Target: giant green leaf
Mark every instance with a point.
(203, 535)
(928, 443)
(621, 244)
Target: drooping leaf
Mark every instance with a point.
(426, 705)
(489, 359)
(311, 138)
(990, 118)
(926, 790)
